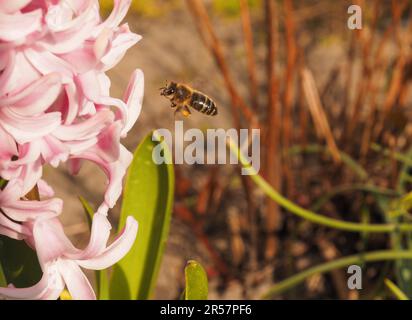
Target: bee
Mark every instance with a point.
(184, 97)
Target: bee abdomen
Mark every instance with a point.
(203, 104)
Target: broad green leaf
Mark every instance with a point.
(196, 281)
(148, 197)
(20, 264)
(103, 289)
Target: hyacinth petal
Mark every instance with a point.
(18, 73)
(76, 282)
(17, 26)
(108, 143)
(133, 97)
(8, 6)
(114, 171)
(46, 62)
(53, 151)
(72, 106)
(8, 147)
(118, 13)
(30, 174)
(86, 129)
(63, 43)
(122, 41)
(26, 129)
(102, 42)
(29, 210)
(99, 236)
(45, 189)
(38, 291)
(59, 17)
(11, 233)
(50, 241)
(36, 98)
(13, 226)
(12, 191)
(116, 251)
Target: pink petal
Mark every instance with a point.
(102, 42)
(18, 73)
(8, 147)
(18, 228)
(123, 40)
(60, 17)
(8, 6)
(99, 236)
(46, 62)
(119, 11)
(50, 241)
(24, 210)
(114, 171)
(17, 26)
(45, 189)
(86, 129)
(30, 293)
(53, 151)
(76, 282)
(134, 99)
(36, 98)
(108, 143)
(11, 233)
(64, 44)
(26, 129)
(116, 251)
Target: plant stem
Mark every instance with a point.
(310, 215)
(346, 159)
(339, 263)
(397, 292)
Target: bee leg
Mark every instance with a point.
(186, 111)
(178, 109)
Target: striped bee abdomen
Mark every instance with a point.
(203, 104)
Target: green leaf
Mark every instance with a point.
(148, 197)
(196, 281)
(20, 264)
(103, 287)
(88, 209)
(3, 281)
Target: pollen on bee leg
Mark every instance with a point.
(185, 113)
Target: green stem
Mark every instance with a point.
(398, 293)
(396, 155)
(346, 159)
(310, 215)
(353, 187)
(291, 282)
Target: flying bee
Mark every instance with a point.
(184, 97)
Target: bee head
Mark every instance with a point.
(169, 90)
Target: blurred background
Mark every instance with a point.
(334, 108)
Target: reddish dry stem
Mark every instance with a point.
(273, 161)
(291, 50)
(250, 52)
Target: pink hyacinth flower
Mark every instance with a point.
(61, 261)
